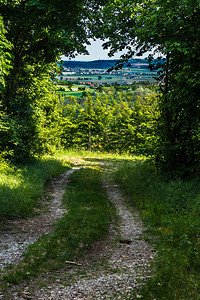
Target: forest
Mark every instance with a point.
(29, 63)
(149, 133)
(112, 119)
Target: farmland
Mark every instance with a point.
(98, 72)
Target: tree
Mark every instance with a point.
(109, 121)
(39, 31)
(170, 29)
(87, 123)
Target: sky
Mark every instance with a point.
(96, 52)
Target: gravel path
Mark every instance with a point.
(127, 263)
(115, 268)
(17, 235)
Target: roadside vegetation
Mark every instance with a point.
(88, 218)
(170, 210)
(160, 122)
(21, 186)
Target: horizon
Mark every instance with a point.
(100, 59)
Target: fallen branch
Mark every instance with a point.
(73, 263)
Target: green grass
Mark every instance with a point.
(88, 218)
(171, 211)
(72, 93)
(76, 93)
(101, 155)
(22, 186)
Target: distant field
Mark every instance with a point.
(102, 79)
(75, 93)
(132, 74)
(71, 93)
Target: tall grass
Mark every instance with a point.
(21, 186)
(171, 211)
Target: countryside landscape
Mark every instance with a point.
(78, 77)
(97, 72)
(99, 159)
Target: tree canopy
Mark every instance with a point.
(140, 26)
(170, 29)
(39, 31)
(34, 33)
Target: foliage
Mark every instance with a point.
(170, 210)
(170, 30)
(39, 32)
(33, 124)
(87, 221)
(47, 112)
(113, 121)
(5, 46)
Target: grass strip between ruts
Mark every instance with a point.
(88, 218)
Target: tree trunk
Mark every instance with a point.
(89, 142)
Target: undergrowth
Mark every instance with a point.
(21, 186)
(171, 210)
(88, 218)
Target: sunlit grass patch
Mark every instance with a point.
(21, 186)
(103, 158)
